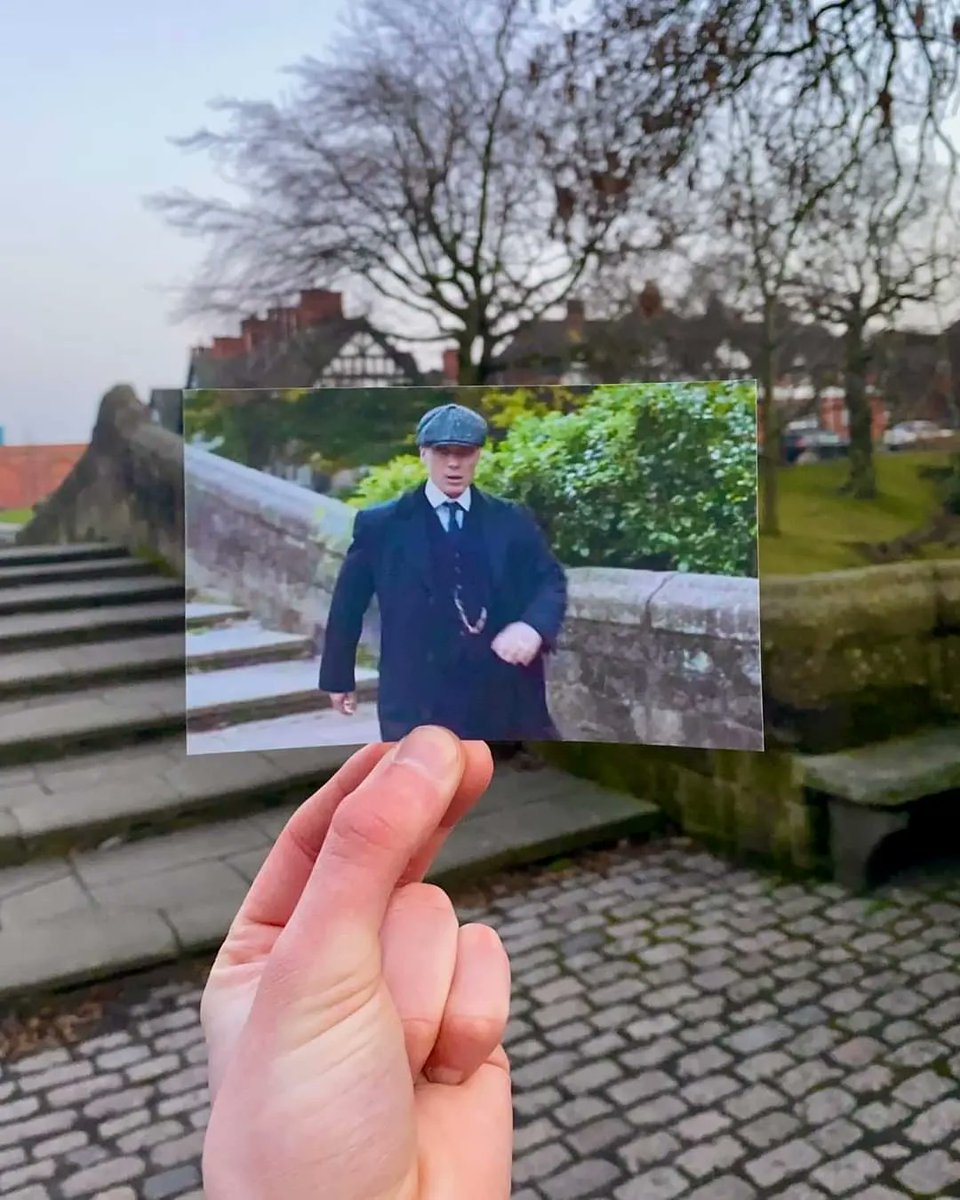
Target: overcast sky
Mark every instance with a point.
(90, 94)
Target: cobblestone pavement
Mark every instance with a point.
(681, 1029)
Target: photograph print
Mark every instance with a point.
(542, 563)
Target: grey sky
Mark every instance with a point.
(90, 94)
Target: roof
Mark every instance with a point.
(296, 362)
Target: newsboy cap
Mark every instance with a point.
(451, 425)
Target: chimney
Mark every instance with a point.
(283, 321)
(317, 304)
(451, 366)
(574, 321)
(227, 347)
(254, 331)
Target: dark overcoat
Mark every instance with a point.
(390, 558)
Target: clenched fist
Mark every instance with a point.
(518, 644)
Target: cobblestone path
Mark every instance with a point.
(681, 1029)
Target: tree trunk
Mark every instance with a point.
(770, 457)
(861, 482)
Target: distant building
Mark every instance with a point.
(310, 344)
(28, 474)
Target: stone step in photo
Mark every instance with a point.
(315, 727)
(89, 665)
(19, 556)
(201, 615)
(241, 645)
(103, 913)
(239, 694)
(124, 797)
(119, 567)
(87, 593)
(30, 631)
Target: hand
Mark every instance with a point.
(353, 1028)
(344, 702)
(517, 644)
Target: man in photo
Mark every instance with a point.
(470, 598)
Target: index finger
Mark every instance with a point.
(276, 890)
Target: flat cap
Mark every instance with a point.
(451, 425)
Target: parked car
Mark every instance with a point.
(909, 433)
(812, 444)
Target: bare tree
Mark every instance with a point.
(881, 239)
(868, 69)
(761, 185)
(409, 159)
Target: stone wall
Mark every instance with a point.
(273, 546)
(849, 657)
(127, 488)
(667, 658)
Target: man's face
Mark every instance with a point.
(451, 468)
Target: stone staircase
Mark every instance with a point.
(118, 850)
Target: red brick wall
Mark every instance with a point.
(29, 474)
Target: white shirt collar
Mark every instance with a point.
(436, 497)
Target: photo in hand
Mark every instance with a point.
(533, 563)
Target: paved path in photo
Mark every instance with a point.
(681, 1029)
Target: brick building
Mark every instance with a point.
(28, 474)
(309, 344)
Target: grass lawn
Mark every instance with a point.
(817, 525)
(15, 516)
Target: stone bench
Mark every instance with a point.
(870, 792)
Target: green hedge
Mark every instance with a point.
(642, 475)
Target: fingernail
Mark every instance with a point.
(445, 1075)
(429, 749)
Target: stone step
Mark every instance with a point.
(94, 568)
(202, 616)
(125, 795)
(110, 716)
(87, 593)
(91, 664)
(241, 645)
(318, 727)
(105, 912)
(27, 555)
(238, 694)
(889, 774)
(31, 631)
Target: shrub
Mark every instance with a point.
(642, 475)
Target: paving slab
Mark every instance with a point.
(186, 875)
(891, 773)
(82, 945)
(24, 555)
(35, 630)
(72, 594)
(90, 664)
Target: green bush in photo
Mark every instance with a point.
(661, 476)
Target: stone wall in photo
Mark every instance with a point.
(272, 546)
(659, 657)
